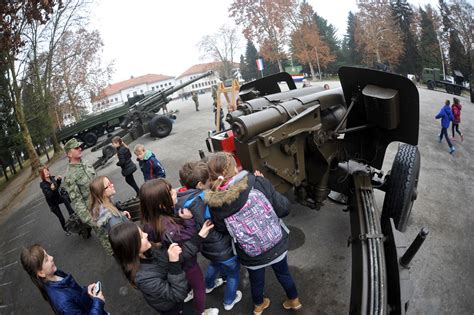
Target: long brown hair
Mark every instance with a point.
(32, 259)
(125, 241)
(156, 204)
(97, 198)
(41, 172)
(119, 140)
(221, 167)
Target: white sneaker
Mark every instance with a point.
(189, 297)
(211, 311)
(217, 283)
(238, 297)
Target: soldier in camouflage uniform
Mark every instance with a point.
(77, 179)
(196, 100)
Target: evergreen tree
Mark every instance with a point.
(429, 44)
(410, 59)
(459, 58)
(251, 56)
(328, 34)
(243, 68)
(350, 52)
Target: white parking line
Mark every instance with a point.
(9, 265)
(3, 306)
(18, 236)
(11, 250)
(19, 227)
(6, 283)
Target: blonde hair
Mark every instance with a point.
(221, 167)
(97, 198)
(138, 147)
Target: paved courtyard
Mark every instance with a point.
(319, 257)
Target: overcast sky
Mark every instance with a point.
(149, 36)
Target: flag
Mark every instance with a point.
(259, 64)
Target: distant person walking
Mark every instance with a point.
(456, 109)
(125, 162)
(446, 117)
(55, 195)
(196, 100)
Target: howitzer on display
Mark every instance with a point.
(312, 141)
(142, 118)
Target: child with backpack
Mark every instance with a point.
(446, 117)
(217, 247)
(249, 208)
(149, 164)
(157, 204)
(456, 110)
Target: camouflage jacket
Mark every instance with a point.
(77, 179)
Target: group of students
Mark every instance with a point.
(450, 115)
(232, 217)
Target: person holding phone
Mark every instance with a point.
(59, 289)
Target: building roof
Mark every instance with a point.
(200, 68)
(117, 87)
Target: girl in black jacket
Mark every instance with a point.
(50, 186)
(153, 270)
(125, 162)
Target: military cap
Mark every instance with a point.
(71, 144)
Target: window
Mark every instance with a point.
(152, 88)
(128, 95)
(161, 85)
(135, 93)
(116, 99)
(141, 91)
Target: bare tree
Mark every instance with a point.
(221, 47)
(377, 36)
(266, 21)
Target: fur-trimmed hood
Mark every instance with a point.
(238, 184)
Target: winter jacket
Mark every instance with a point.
(53, 198)
(216, 246)
(456, 110)
(180, 234)
(162, 283)
(125, 161)
(68, 297)
(107, 219)
(151, 167)
(446, 116)
(226, 202)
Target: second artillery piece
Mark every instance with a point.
(143, 118)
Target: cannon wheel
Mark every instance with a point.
(431, 85)
(457, 90)
(90, 139)
(449, 89)
(401, 190)
(160, 126)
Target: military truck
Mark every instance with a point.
(433, 78)
(312, 142)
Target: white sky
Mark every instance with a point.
(150, 36)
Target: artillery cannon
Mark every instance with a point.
(312, 141)
(142, 118)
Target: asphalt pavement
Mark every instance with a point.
(319, 257)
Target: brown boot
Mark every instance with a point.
(293, 304)
(258, 309)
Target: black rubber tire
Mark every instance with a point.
(449, 89)
(457, 90)
(108, 151)
(430, 85)
(401, 190)
(90, 139)
(160, 126)
(110, 129)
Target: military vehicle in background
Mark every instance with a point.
(433, 78)
(142, 118)
(312, 142)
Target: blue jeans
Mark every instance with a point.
(231, 270)
(257, 281)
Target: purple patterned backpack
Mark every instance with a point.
(255, 228)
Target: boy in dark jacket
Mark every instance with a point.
(149, 164)
(217, 246)
(446, 117)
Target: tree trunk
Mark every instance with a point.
(311, 68)
(5, 172)
(20, 115)
(12, 167)
(317, 61)
(18, 158)
(280, 65)
(45, 149)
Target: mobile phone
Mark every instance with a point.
(97, 287)
(168, 238)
